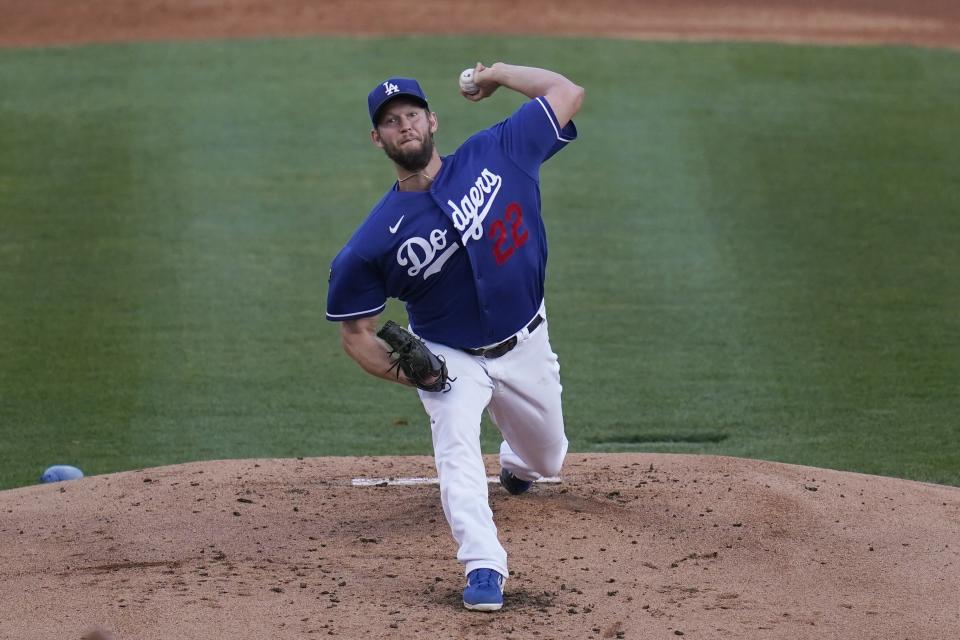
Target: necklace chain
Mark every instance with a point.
(419, 173)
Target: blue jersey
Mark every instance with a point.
(468, 257)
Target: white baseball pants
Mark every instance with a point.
(521, 392)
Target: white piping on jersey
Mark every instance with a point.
(355, 313)
(540, 101)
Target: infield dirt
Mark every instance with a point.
(47, 22)
(628, 546)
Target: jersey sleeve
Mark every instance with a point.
(356, 289)
(532, 135)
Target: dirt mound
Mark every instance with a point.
(629, 545)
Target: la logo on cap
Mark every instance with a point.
(390, 88)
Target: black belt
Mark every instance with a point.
(504, 347)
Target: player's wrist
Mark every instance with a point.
(499, 72)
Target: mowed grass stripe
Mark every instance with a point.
(753, 250)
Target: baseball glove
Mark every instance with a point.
(422, 367)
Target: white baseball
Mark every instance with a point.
(466, 82)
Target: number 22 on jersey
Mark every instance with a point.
(503, 247)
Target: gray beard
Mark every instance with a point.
(413, 161)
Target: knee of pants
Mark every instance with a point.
(551, 469)
(551, 462)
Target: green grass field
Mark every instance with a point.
(755, 250)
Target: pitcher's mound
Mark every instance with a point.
(629, 545)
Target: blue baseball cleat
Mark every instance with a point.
(513, 484)
(484, 590)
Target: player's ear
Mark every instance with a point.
(434, 123)
(375, 138)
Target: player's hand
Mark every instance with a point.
(483, 78)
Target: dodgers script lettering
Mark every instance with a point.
(421, 253)
(468, 215)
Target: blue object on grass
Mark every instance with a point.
(59, 472)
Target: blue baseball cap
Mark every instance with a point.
(390, 89)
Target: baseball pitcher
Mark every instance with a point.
(461, 241)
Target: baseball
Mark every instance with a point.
(466, 82)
